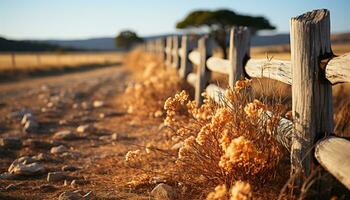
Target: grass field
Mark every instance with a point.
(39, 61)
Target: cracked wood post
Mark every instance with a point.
(239, 53)
(186, 64)
(175, 52)
(203, 74)
(311, 91)
(168, 50)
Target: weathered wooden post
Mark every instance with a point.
(175, 52)
(203, 74)
(186, 64)
(311, 91)
(239, 53)
(168, 50)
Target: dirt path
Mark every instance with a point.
(64, 103)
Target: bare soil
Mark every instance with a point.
(100, 159)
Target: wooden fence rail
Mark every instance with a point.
(311, 72)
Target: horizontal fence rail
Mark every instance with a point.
(310, 78)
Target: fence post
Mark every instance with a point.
(168, 50)
(186, 65)
(203, 74)
(311, 91)
(175, 52)
(239, 53)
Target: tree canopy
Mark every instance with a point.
(127, 39)
(220, 21)
(223, 19)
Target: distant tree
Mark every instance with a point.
(220, 21)
(127, 39)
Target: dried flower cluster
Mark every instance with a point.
(239, 191)
(224, 143)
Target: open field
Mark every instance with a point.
(44, 61)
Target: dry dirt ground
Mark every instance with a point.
(64, 103)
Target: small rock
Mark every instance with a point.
(47, 187)
(11, 142)
(69, 168)
(59, 149)
(41, 157)
(98, 104)
(55, 176)
(24, 160)
(7, 176)
(68, 195)
(30, 126)
(26, 169)
(85, 128)
(163, 192)
(65, 135)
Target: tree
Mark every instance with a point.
(220, 21)
(127, 39)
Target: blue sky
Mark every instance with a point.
(75, 19)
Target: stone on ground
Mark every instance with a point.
(68, 195)
(163, 192)
(85, 128)
(65, 135)
(59, 149)
(55, 176)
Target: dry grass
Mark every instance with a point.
(28, 62)
(222, 151)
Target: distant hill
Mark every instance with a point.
(99, 44)
(14, 45)
(107, 43)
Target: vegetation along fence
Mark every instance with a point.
(311, 72)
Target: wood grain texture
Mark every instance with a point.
(338, 69)
(203, 74)
(334, 155)
(175, 52)
(185, 63)
(311, 92)
(168, 50)
(273, 69)
(219, 65)
(239, 52)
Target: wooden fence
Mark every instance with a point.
(311, 72)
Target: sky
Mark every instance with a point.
(82, 19)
